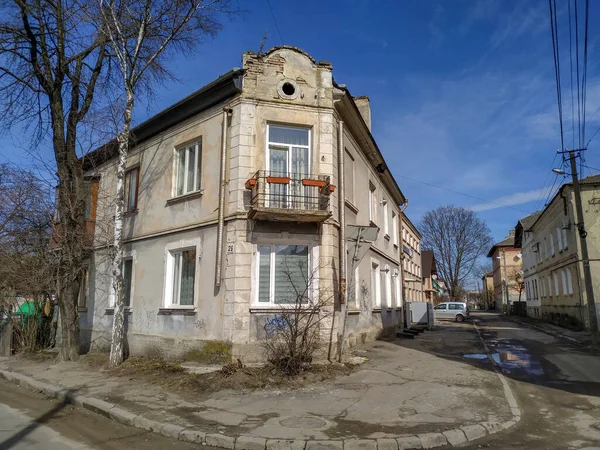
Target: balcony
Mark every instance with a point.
(289, 197)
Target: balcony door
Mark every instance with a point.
(288, 156)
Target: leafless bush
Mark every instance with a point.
(295, 335)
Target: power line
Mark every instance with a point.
(593, 168)
(462, 193)
(577, 68)
(275, 20)
(546, 181)
(555, 48)
(571, 74)
(584, 76)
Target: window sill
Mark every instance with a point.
(131, 213)
(376, 310)
(82, 309)
(184, 197)
(387, 236)
(265, 309)
(177, 311)
(396, 246)
(353, 312)
(373, 224)
(111, 311)
(351, 206)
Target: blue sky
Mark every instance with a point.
(462, 92)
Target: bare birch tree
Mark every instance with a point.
(51, 60)
(141, 34)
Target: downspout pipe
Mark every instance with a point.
(341, 212)
(404, 314)
(221, 222)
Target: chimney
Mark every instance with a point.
(511, 233)
(364, 107)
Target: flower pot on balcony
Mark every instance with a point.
(251, 183)
(311, 182)
(278, 180)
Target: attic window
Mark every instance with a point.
(288, 88)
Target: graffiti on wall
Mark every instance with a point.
(277, 324)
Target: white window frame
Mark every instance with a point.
(170, 249)
(386, 225)
(350, 187)
(388, 286)
(556, 289)
(559, 238)
(397, 288)
(313, 272)
(395, 229)
(375, 284)
(563, 277)
(550, 286)
(372, 203)
(197, 145)
(564, 238)
(551, 244)
(569, 281)
(127, 256)
(289, 146)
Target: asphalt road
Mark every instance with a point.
(556, 383)
(30, 421)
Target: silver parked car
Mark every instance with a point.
(451, 311)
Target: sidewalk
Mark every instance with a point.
(405, 396)
(580, 337)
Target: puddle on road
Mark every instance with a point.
(511, 358)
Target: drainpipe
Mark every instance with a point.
(221, 224)
(404, 316)
(341, 212)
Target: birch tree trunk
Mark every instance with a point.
(117, 346)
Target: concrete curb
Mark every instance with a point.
(453, 437)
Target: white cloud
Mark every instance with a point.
(518, 198)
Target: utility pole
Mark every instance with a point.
(587, 274)
(506, 287)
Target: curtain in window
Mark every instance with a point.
(278, 163)
(191, 168)
(188, 271)
(291, 273)
(264, 274)
(180, 171)
(288, 135)
(127, 269)
(131, 189)
(300, 193)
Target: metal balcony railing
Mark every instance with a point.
(290, 191)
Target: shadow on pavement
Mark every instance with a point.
(34, 424)
(519, 352)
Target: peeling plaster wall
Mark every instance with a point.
(228, 313)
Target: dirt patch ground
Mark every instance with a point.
(176, 378)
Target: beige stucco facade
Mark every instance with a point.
(411, 246)
(553, 266)
(506, 264)
(231, 307)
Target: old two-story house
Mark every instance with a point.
(487, 289)
(533, 286)
(411, 247)
(507, 264)
(238, 198)
(430, 276)
(553, 266)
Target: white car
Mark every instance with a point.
(451, 311)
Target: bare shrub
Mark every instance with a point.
(295, 335)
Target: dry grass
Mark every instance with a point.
(173, 377)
